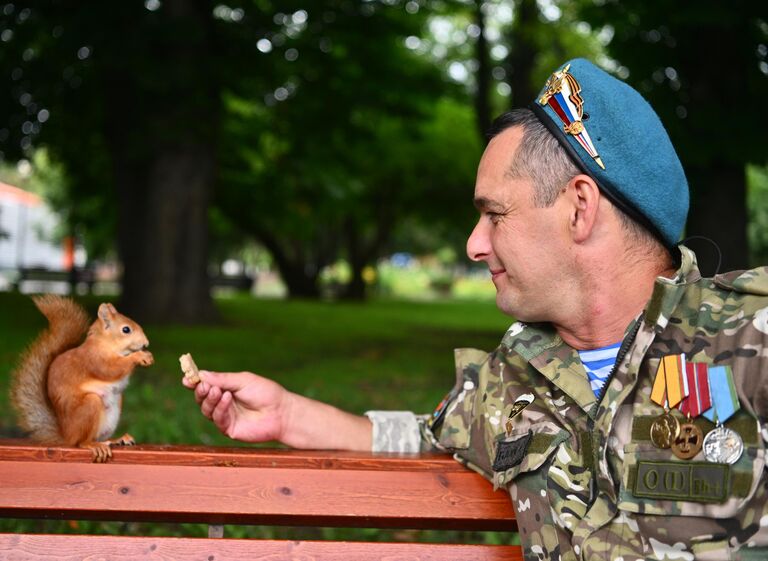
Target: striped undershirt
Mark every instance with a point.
(598, 363)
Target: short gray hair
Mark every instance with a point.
(541, 158)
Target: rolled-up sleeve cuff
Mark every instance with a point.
(395, 431)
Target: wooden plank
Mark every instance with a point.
(75, 548)
(236, 457)
(252, 495)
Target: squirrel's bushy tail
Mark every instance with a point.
(68, 323)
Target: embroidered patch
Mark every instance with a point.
(437, 415)
(510, 453)
(699, 482)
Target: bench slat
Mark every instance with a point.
(72, 547)
(214, 494)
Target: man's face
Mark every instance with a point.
(524, 246)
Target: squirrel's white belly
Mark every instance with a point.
(111, 396)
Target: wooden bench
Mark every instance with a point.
(220, 486)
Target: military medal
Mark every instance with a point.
(669, 388)
(722, 445)
(690, 439)
(699, 398)
(688, 442)
(664, 430)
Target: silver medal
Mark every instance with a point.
(723, 446)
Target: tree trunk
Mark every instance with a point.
(483, 75)
(355, 288)
(162, 139)
(300, 274)
(522, 52)
(718, 211)
(300, 283)
(163, 239)
(364, 247)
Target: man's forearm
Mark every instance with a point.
(313, 424)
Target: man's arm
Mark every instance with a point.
(251, 408)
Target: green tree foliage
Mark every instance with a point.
(704, 68)
(507, 50)
(127, 97)
(343, 150)
(307, 123)
(757, 203)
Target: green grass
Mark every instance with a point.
(378, 355)
(382, 354)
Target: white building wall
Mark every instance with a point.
(29, 229)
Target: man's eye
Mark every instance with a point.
(493, 217)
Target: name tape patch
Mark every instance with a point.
(510, 453)
(701, 482)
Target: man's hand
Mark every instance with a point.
(242, 405)
(251, 408)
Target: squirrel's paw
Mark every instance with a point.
(101, 451)
(146, 358)
(125, 440)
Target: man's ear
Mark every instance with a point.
(583, 195)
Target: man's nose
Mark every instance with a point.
(478, 243)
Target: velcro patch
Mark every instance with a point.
(700, 482)
(510, 453)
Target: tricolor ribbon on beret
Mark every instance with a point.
(562, 95)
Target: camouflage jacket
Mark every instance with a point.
(525, 417)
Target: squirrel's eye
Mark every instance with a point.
(126, 329)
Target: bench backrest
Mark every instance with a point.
(220, 486)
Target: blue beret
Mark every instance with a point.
(615, 136)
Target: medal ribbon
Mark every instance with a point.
(699, 398)
(725, 400)
(670, 385)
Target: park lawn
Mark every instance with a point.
(377, 355)
(381, 354)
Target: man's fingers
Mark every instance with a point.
(211, 401)
(201, 392)
(232, 381)
(221, 415)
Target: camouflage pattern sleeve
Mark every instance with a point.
(446, 429)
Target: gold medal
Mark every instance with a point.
(664, 430)
(669, 388)
(688, 442)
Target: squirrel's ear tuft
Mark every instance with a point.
(106, 313)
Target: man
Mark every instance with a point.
(625, 410)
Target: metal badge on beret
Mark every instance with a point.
(562, 95)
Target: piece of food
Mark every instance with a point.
(188, 366)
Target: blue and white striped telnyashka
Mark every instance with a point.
(598, 364)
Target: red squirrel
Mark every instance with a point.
(67, 391)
